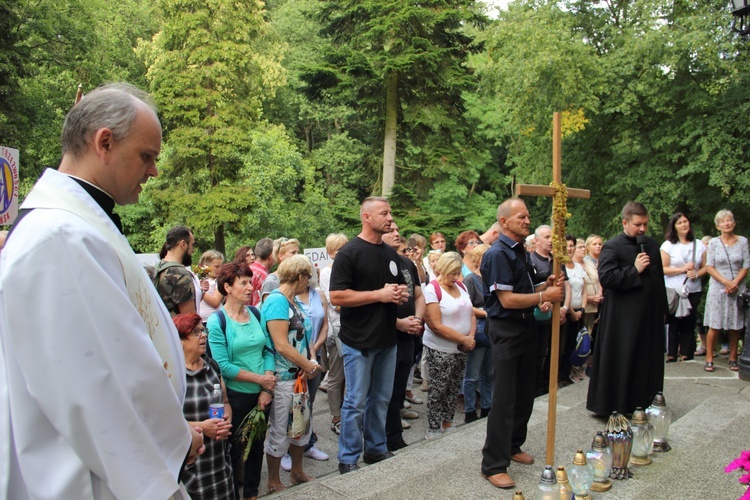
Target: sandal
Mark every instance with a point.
(709, 366)
(275, 489)
(336, 427)
(671, 359)
(734, 366)
(700, 352)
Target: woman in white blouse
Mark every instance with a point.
(684, 261)
(448, 336)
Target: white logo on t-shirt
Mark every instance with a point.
(394, 268)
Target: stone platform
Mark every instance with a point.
(711, 427)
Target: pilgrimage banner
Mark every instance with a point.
(319, 257)
(8, 185)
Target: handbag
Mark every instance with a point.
(673, 299)
(678, 304)
(299, 412)
(743, 300)
(582, 349)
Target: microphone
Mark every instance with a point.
(641, 240)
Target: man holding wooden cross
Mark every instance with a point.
(512, 330)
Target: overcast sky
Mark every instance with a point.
(498, 4)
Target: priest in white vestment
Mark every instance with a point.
(91, 368)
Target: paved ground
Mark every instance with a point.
(711, 428)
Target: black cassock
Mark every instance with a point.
(630, 343)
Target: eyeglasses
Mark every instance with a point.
(199, 332)
(405, 251)
(474, 242)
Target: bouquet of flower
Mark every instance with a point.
(253, 426)
(201, 271)
(743, 462)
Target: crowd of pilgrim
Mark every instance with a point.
(250, 324)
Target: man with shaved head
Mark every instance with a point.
(511, 298)
(367, 283)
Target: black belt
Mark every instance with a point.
(523, 314)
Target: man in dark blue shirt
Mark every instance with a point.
(510, 300)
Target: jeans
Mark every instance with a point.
(479, 370)
(369, 385)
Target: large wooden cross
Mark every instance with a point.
(535, 190)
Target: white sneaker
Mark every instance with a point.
(407, 404)
(405, 424)
(286, 462)
(432, 434)
(316, 454)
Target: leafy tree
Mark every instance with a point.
(653, 95)
(210, 67)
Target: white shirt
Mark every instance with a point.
(679, 255)
(455, 313)
(575, 277)
(86, 408)
(205, 309)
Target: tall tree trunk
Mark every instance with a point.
(391, 126)
(219, 242)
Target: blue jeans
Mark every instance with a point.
(369, 384)
(479, 371)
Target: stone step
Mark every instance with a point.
(711, 428)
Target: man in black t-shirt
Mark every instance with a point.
(408, 325)
(366, 282)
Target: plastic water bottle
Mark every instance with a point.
(216, 407)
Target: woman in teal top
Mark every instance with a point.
(290, 331)
(238, 344)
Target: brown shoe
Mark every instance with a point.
(501, 480)
(522, 458)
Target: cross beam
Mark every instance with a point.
(537, 190)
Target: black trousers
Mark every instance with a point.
(681, 332)
(404, 362)
(514, 354)
(247, 478)
(544, 344)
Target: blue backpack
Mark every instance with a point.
(582, 349)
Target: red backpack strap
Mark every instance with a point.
(438, 290)
(461, 285)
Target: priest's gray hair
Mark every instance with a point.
(113, 106)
